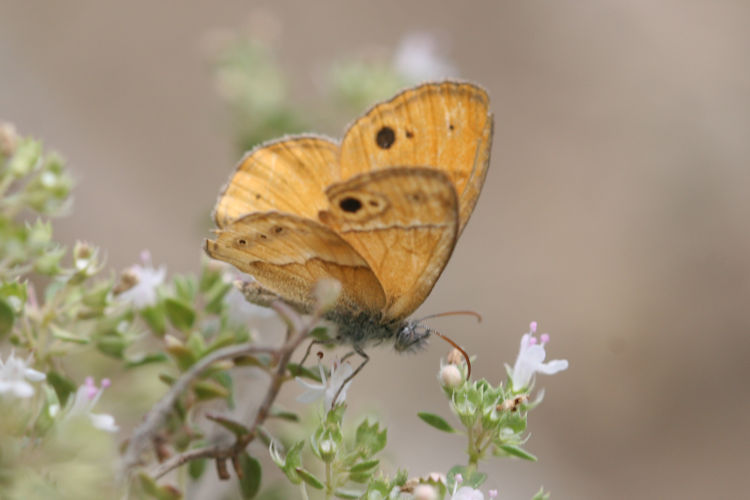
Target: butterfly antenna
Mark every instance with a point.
(451, 342)
(454, 313)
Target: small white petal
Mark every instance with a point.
(34, 375)
(17, 388)
(311, 386)
(554, 366)
(311, 396)
(103, 422)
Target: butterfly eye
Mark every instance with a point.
(385, 137)
(350, 204)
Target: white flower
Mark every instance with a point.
(424, 492)
(530, 360)
(328, 388)
(14, 373)
(467, 493)
(417, 60)
(86, 397)
(141, 282)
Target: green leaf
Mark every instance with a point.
(215, 297)
(364, 466)
(196, 468)
(153, 490)
(360, 477)
(66, 336)
(185, 288)
(232, 426)
(155, 317)
(145, 359)
(369, 439)
(301, 371)
(279, 413)
(181, 315)
(517, 451)
(310, 478)
(209, 277)
(291, 462)
(197, 344)
(436, 421)
(62, 385)
(15, 294)
(7, 318)
(112, 345)
(261, 360)
(251, 474)
(167, 378)
(348, 494)
(209, 389)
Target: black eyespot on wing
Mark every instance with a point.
(450, 126)
(385, 137)
(242, 242)
(409, 134)
(350, 204)
(277, 229)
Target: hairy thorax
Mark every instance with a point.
(363, 329)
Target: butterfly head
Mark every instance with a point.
(411, 336)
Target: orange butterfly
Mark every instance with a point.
(380, 212)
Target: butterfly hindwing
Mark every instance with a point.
(404, 224)
(288, 254)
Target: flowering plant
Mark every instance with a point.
(168, 349)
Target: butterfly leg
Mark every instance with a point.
(365, 359)
(310, 346)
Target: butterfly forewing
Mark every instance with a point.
(403, 222)
(446, 126)
(288, 175)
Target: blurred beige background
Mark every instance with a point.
(615, 211)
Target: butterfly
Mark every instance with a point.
(380, 211)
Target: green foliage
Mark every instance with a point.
(251, 476)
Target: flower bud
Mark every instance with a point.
(455, 357)
(8, 139)
(25, 157)
(327, 448)
(82, 254)
(425, 492)
(450, 376)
